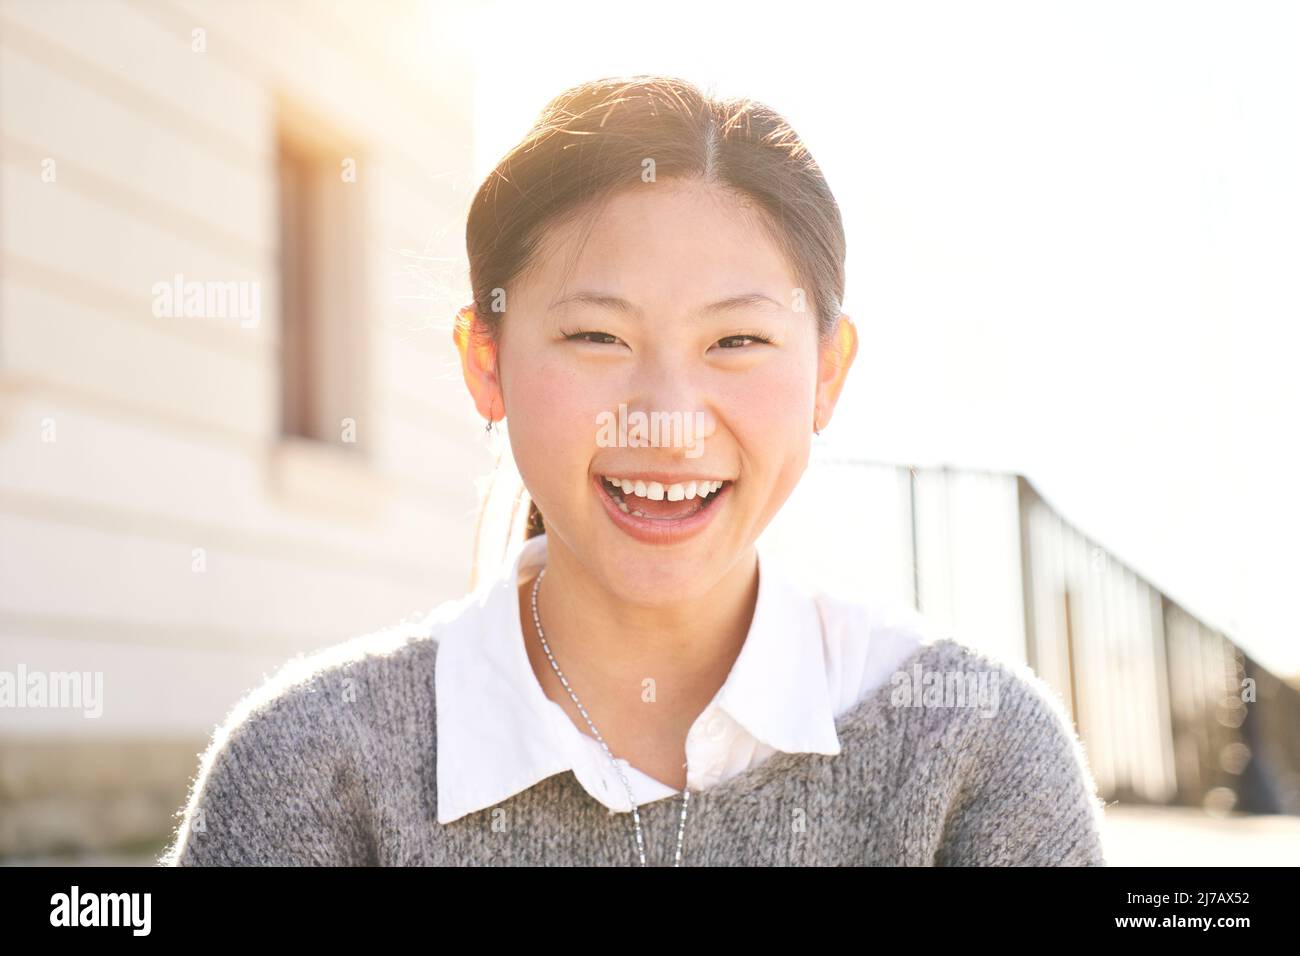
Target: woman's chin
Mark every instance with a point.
(651, 582)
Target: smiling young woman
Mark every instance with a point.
(642, 683)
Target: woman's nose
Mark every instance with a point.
(678, 402)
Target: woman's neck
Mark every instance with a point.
(642, 672)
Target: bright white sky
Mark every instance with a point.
(1074, 245)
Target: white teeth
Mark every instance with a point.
(657, 491)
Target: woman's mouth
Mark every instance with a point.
(661, 511)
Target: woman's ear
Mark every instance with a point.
(478, 363)
(834, 359)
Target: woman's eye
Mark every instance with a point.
(752, 337)
(595, 338)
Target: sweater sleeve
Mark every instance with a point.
(1028, 797)
(278, 786)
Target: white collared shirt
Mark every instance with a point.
(807, 658)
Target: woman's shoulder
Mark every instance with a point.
(335, 676)
(995, 743)
(1021, 789)
(914, 671)
(298, 747)
(373, 677)
(960, 687)
(891, 642)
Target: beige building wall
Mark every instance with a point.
(155, 526)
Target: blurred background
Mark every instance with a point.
(233, 427)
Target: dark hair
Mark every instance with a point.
(594, 139)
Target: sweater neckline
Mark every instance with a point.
(863, 717)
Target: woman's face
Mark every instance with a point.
(628, 321)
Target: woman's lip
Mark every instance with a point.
(660, 530)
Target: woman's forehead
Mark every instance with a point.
(645, 244)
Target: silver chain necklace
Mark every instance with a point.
(636, 817)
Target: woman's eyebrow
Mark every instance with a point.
(616, 304)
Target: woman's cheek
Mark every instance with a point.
(556, 426)
(763, 407)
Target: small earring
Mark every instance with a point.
(817, 427)
(491, 422)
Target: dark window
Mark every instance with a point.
(323, 341)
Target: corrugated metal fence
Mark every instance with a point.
(1156, 694)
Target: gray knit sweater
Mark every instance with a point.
(332, 763)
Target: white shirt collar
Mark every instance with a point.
(497, 730)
